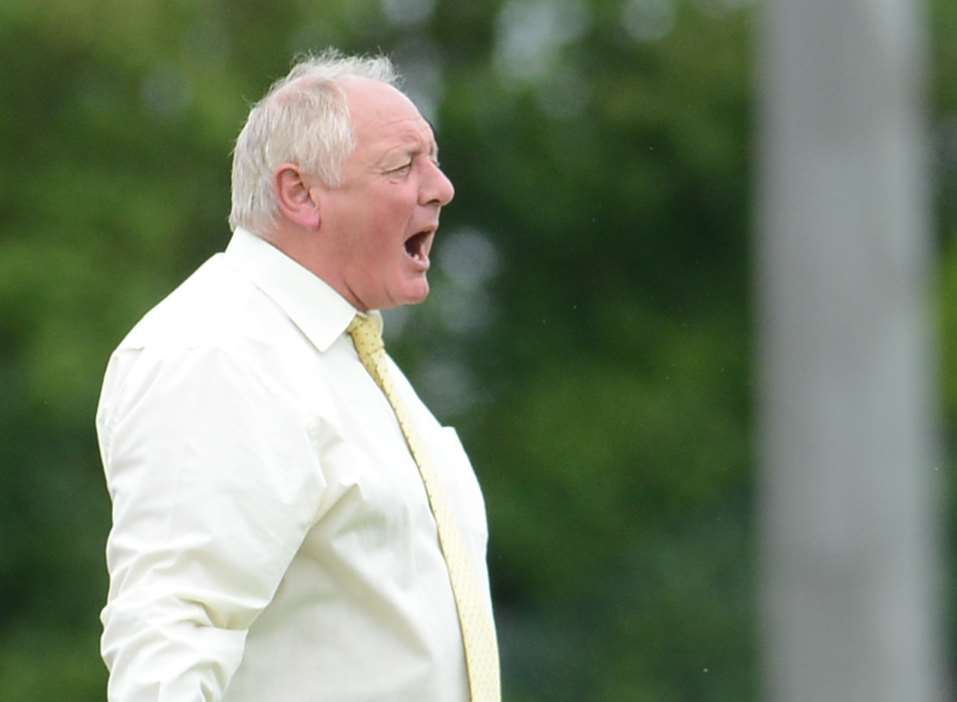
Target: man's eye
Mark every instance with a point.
(405, 167)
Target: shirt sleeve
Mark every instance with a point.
(214, 485)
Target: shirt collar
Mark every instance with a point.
(321, 313)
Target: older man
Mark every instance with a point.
(289, 520)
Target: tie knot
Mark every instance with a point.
(366, 333)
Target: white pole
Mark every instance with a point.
(846, 356)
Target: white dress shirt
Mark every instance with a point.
(272, 540)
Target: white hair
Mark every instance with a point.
(303, 119)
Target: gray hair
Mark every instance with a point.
(302, 119)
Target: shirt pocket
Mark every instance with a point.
(465, 494)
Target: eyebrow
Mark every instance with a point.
(413, 137)
(432, 150)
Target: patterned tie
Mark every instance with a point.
(475, 617)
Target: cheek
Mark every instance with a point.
(382, 220)
(395, 207)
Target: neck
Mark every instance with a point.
(308, 249)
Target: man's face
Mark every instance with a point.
(383, 217)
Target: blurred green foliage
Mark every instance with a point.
(589, 329)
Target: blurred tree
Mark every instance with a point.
(589, 329)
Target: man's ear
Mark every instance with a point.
(297, 201)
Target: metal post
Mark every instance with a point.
(847, 435)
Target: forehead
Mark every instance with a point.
(381, 114)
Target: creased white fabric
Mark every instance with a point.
(271, 536)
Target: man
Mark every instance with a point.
(289, 520)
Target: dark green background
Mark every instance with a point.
(590, 328)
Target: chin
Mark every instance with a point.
(416, 293)
(408, 294)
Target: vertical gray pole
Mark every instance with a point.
(846, 356)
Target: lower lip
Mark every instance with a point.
(420, 264)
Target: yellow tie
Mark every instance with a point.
(475, 617)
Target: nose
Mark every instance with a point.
(437, 189)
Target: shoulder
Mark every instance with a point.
(217, 334)
(216, 309)
(214, 327)
(205, 308)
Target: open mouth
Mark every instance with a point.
(417, 247)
